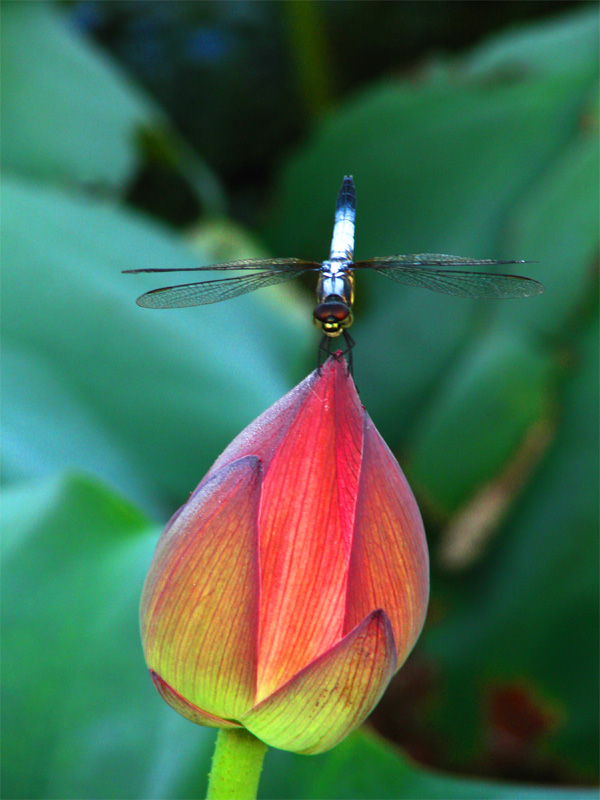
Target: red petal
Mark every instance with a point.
(306, 518)
(328, 699)
(187, 709)
(200, 601)
(389, 566)
(263, 436)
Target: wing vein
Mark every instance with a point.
(252, 263)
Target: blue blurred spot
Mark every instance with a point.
(86, 16)
(208, 44)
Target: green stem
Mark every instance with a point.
(236, 766)
(312, 53)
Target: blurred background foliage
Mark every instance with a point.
(153, 133)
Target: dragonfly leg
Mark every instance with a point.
(324, 352)
(348, 351)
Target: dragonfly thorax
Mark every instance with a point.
(335, 281)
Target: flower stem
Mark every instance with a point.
(237, 762)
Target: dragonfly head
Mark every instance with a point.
(332, 316)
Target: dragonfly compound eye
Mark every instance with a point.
(332, 316)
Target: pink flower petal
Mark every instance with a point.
(200, 601)
(389, 567)
(263, 436)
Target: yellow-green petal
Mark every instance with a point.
(327, 700)
(187, 709)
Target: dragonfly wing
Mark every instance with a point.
(420, 271)
(206, 292)
(432, 260)
(251, 263)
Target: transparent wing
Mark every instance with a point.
(251, 263)
(421, 271)
(206, 292)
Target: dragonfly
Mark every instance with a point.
(335, 286)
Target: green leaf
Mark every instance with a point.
(557, 222)
(527, 618)
(80, 715)
(478, 418)
(46, 423)
(364, 766)
(563, 43)
(147, 399)
(69, 115)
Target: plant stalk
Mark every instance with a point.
(236, 765)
